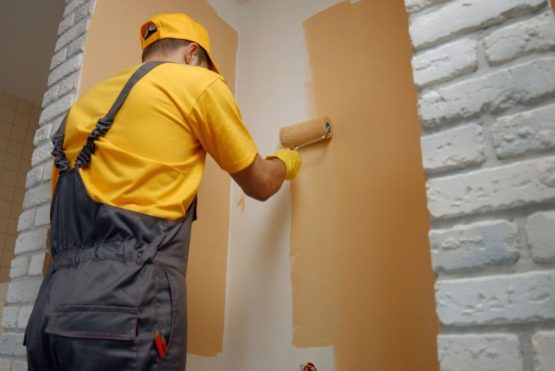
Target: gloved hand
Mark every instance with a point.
(291, 159)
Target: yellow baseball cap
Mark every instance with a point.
(177, 26)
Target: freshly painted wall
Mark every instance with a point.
(336, 268)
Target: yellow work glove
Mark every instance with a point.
(291, 159)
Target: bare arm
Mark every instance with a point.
(262, 178)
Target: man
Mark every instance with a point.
(128, 162)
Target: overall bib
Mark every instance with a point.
(116, 278)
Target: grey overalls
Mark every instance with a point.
(117, 276)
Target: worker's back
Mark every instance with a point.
(152, 159)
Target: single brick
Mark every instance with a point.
(26, 219)
(474, 246)
(34, 176)
(76, 46)
(5, 364)
(84, 11)
(71, 34)
(24, 290)
(10, 314)
(453, 149)
(504, 299)
(445, 63)
(71, 65)
(24, 314)
(58, 108)
(42, 153)
(540, 228)
(42, 216)
(12, 345)
(43, 134)
(531, 35)
(32, 240)
(69, 83)
(36, 265)
(19, 365)
(462, 16)
(37, 196)
(500, 188)
(50, 95)
(72, 5)
(493, 92)
(495, 352)
(47, 174)
(66, 23)
(524, 132)
(543, 343)
(19, 266)
(58, 58)
(417, 5)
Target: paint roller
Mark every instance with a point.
(300, 135)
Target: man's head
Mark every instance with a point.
(178, 38)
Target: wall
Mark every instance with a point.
(27, 267)
(292, 300)
(485, 71)
(350, 204)
(18, 123)
(275, 88)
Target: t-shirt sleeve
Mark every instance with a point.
(216, 121)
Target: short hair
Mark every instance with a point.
(168, 46)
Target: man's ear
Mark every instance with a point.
(190, 51)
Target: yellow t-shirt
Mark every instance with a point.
(152, 159)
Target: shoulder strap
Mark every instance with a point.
(102, 125)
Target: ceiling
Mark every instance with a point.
(28, 31)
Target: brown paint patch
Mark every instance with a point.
(361, 267)
(553, 5)
(112, 45)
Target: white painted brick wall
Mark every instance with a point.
(500, 188)
(19, 266)
(417, 5)
(12, 345)
(5, 364)
(544, 350)
(531, 35)
(19, 366)
(474, 246)
(26, 268)
(37, 196)
(492, 92)
(10, 314)
(42, 216)
(453, 149)
(445, 63)
(491, 352)
(491, 193)
(461, 16)
(26, 220)
(23, 317)
(23, 291)
(32, 240)
(503, 299)
(540, 229)
(525, 132)
(36, 264)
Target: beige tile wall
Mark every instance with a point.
(18, 122)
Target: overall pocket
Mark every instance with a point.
(86, 337)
